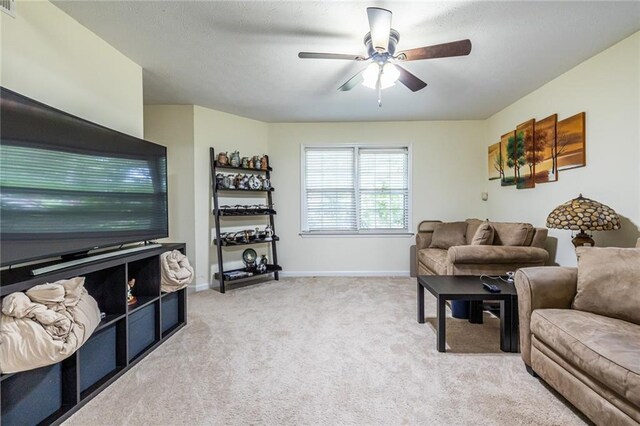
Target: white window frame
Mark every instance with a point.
(360, 233)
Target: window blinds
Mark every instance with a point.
(351, 189)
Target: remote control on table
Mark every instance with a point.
(491, 287)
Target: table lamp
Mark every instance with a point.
(583, 214)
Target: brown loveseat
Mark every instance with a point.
(580, 331)
(450, 249)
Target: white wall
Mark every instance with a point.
(50, 57)
(607, 88)
(448, 171)
(172, 126)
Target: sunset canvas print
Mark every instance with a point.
(570, 144)
(545, 140)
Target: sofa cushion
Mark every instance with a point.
(484, 235)
(604, 348)
(434, 259)
(450, 234)
(472, 228)
(609, 282)
(512, 234)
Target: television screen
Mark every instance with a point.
(68, 185)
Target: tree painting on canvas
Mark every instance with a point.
(508, 176)
(526, 155)
(570, 151)
(496, 162)
(545, 140)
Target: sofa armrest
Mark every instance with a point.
(477, 254)
(540, 288)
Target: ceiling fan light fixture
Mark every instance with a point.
(387, 73)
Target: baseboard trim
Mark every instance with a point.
(344, 273)
(201, 287)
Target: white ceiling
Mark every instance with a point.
(241, 56)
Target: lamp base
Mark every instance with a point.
(583, 239)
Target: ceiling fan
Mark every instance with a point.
(383, 71)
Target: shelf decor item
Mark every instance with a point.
(583, 214)
(249, 258)
(223, 160)
(235, 159)
(131, 299)
(255, 179)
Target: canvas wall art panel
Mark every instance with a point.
(546, 168)
(525, 155)
(570, 142)
(495, 163)
(508, 177)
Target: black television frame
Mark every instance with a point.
(102, 133)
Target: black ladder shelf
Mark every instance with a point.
(231, 213)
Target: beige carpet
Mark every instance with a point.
(325, 351)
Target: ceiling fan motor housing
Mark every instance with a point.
(394, 36)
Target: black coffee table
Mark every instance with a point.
(468, 287)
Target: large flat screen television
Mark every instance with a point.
(68, 186)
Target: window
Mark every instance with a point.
(355, 189)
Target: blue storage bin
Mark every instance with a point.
(170, 311)
(97, 357)
(31, 396)
(142, 330)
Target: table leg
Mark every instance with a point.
(420, 303)
(475, 312)
(506, 316)
(515, 325)
(442, 318)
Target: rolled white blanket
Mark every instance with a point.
(45, 325)
(175, 271)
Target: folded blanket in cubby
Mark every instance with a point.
(45, 325)
(175, 271)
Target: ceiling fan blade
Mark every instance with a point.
(411, 81)
(352, 82)
(313, 55)
(445, 50)
(380, 27)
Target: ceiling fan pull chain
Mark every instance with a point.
(379, 87)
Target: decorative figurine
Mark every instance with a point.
(268, 233)
(220, 180)
(266, 185)
(235, 159)
(131, 299)
(228, 182)
(256, 162)
(264, 162)
(254, 182)
(250, 164)
(245, 162)
(223, 160)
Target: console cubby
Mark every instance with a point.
(125, 335)
(41, 395)
(108, 288)
(172, 311)
(101, 357)
(144, 329)
(146, 272)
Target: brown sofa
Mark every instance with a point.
(513, 246)
(580, 331)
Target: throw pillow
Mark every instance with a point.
(484, 235)
(609, 282)
(510, 234)
(447, 235)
